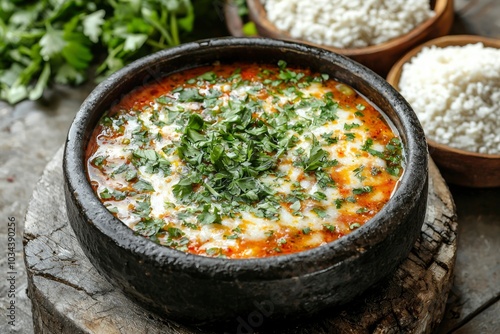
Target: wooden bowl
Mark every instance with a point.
(378, 57)
(457, 166)
(201, 290)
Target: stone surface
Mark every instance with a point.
(69, 296)
(30, 134)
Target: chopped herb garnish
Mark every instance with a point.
(320, 212)
(319, 196)
(329, 227)
(112, 209)
(214, 251)
(190, 95)
(362, 190)
(98, 161)
(149, 227)
(350, 126)
(143, 208)
(324, 180)
(354, 226)
(295, 206)
(316, 158)
(358, 173)
(143, 185)
(350, 199)
(393, 155)
(349, 136)
(362, 210)
(105, 194)
(329, 140)
(208, 76)
(130, 175)
(220, 147)
(120, 169)
(209, 216)
(338, 203)
(269, 233)
(141, 136)
(175, 232)
(151, 160)
(115, 194)
(374, 171)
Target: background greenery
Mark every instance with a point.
(67, 41)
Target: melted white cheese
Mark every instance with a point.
(163, 202)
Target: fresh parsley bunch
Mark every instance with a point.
(56, 41)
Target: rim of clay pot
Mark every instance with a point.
(318, 259)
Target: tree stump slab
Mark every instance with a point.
(69, 296)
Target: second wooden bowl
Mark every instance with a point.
(459, 167)
(378, 57)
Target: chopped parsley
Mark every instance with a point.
(220, 147)
(358, 172)
(362, 190)
(143, 185)
(349, 136)
(320, 212)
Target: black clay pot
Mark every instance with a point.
(203, 290)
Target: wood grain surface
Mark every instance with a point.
(474, 301)
(69, 296)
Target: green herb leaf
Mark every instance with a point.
(349, 136)
(358, 173)
(143, 185)
(316, 157)
(92, 24)
(98, 161)
(320, 212)
(354, 226)
(149, 227)
(329, 227)
(295, 206)
(362, 190)
(249, 29)
(175, 232)
(52, 43)
(59, 41)
(105, 194)
(209, 216)
(339, 202)
(214, 251)
(319, 196)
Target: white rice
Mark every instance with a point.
(347, 23)
(455, 92)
